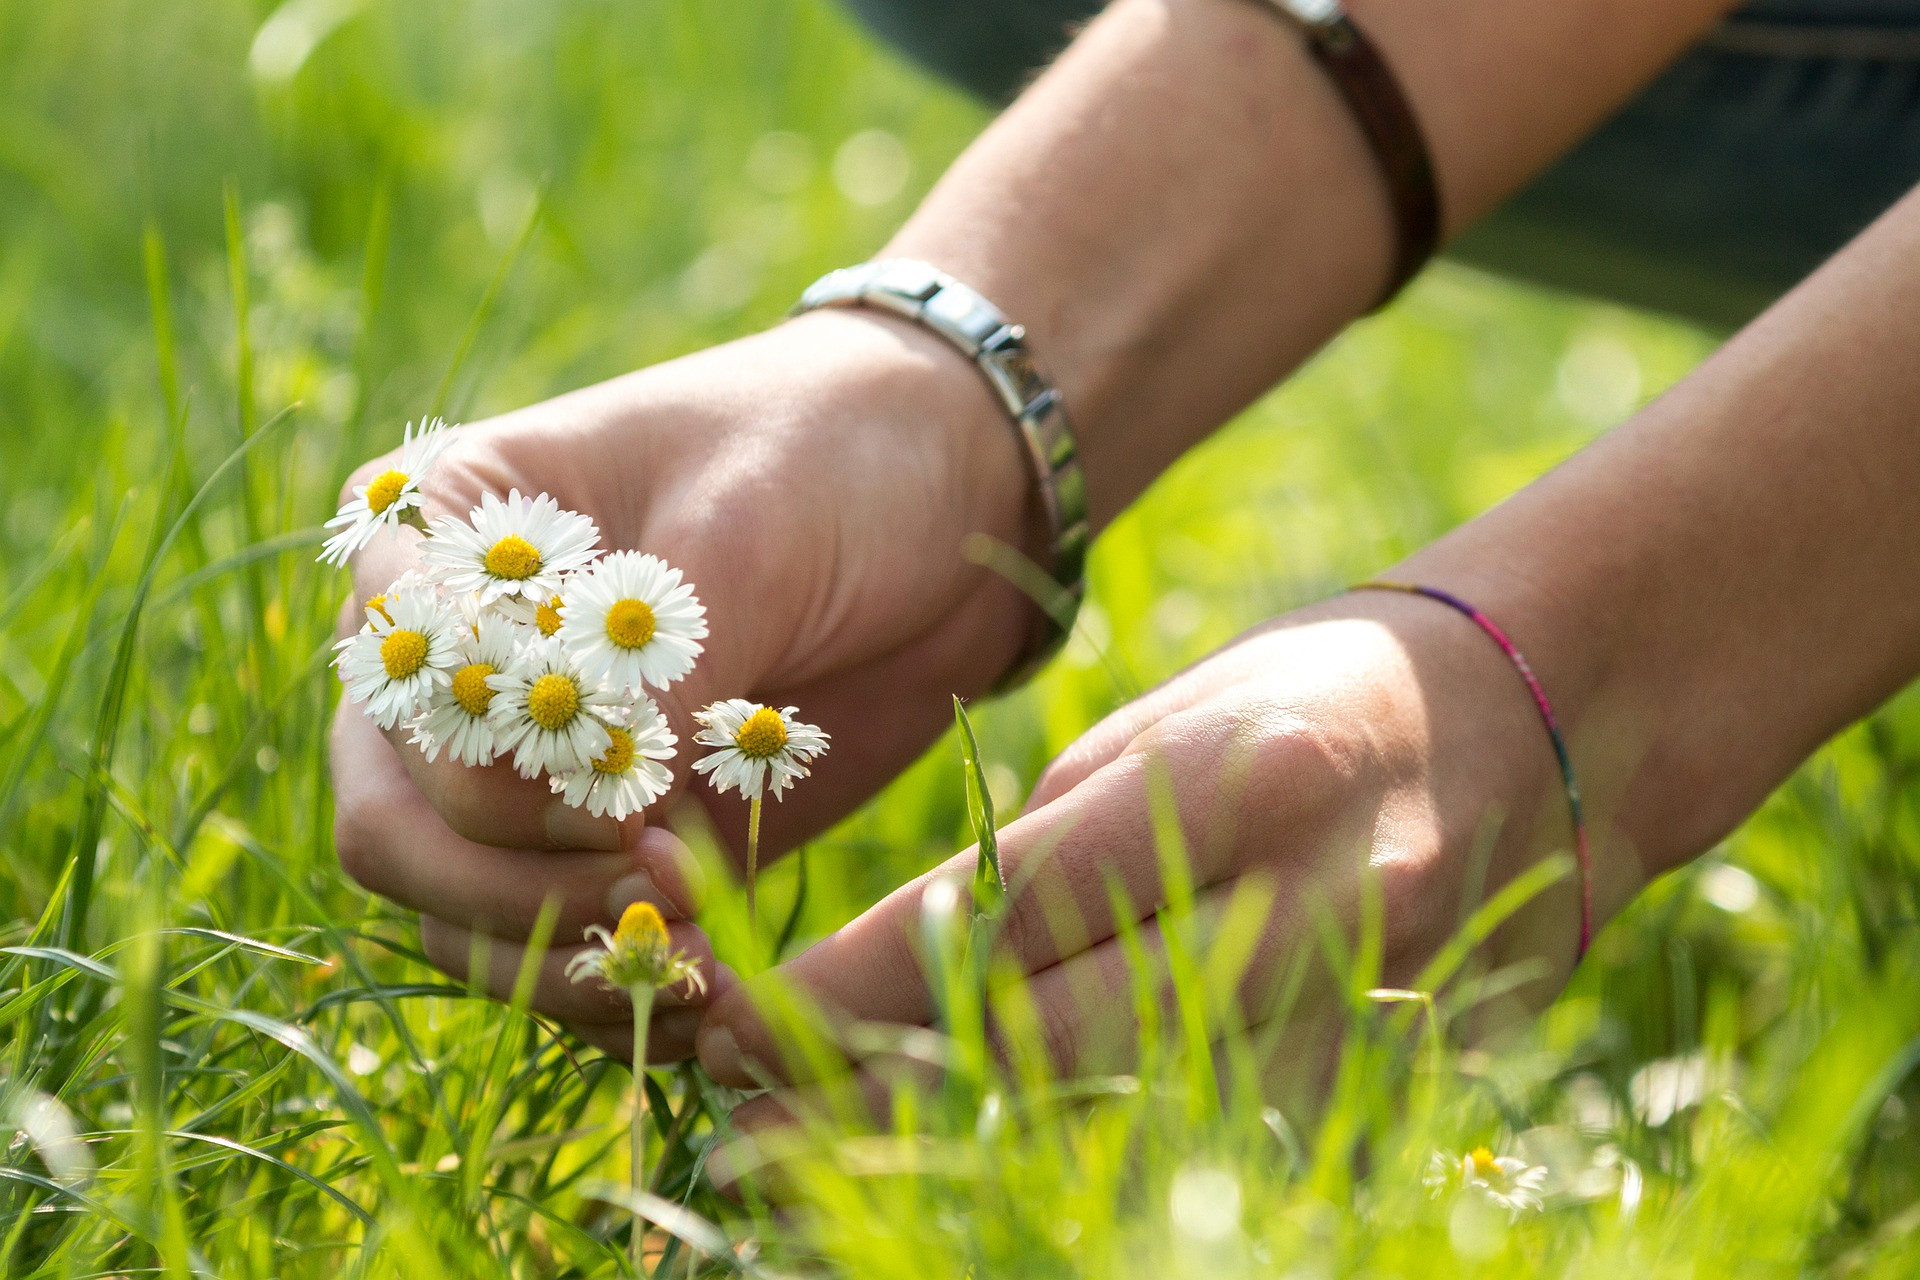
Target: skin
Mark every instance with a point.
(1702, 592)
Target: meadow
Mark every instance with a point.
(241, 243)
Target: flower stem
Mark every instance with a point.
(753, 862)
(642, 994)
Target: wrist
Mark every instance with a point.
(958, 434)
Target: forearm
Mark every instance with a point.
(1729, 579)
(1183, 209)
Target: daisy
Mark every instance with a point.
(512, 554)
(546, 616)
(406, 651)
(547, 715)
(760, 749)
(408, 581)
(639, 958)
(1506, 1181)
(391, 498)
(630, 620)
(631, 773)
(456, 717)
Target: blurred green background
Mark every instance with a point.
(219, 1057)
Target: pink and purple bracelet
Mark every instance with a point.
(1552, 722)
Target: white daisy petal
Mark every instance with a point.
(407, 650)
(548, 714)
(514, 554)
(456, 715)
(760, 749)
(631, 621)
(631, 774)
(386, 501)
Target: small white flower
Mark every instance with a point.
(1506, 1181)
(408, 581)
(631, 774)
(760, 748)
(512, 554)
(548, 715)
(630, 620)
(404, 653)
(638, 952)
(456, 716)
(391, 498)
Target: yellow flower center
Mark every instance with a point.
(403, 653)
(547, 617)
(385, 490)
(641, 926)
(379, 605)
(1483, 1162)
(553, 701)
(470, 688)
(619, 753)
(513, 558)
(630, 623)
(762, 735)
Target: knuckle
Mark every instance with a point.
(444, 946)
(356, 841)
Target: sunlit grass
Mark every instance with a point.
(220, 228)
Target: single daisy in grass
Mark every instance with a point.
(638, 952)
(391, 498)
(456, 716)
(1506, 1181)
(638, 957)
(407, 650)
(548, 715)
(630, 621)
(761, 749)
(631, 773)
(514, 555)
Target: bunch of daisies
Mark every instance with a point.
(521, 636)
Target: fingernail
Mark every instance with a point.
(571, 828)
(720, 1055)
(636, 886)
(724, 1165)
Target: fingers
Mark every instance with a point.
(1085, 1017)
(669, 1038)
(393, 842)
(1066, 864)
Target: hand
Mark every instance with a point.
(1372, 731)
(815, 483)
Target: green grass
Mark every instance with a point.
(225, 225)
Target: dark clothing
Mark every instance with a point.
(1728, 179)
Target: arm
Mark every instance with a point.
(1708, 594)
(1180, 212)
(1183, 209)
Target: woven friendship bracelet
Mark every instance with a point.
(1547, 717)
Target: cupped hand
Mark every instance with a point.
(1374, 732)
(816, 484)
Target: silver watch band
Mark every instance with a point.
(979, 330)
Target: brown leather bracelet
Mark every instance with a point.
(1392, 131)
